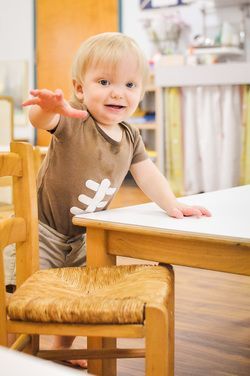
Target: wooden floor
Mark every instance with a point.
(212, 319)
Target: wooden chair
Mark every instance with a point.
(6, 119)
(6, 208)
(6, 136)
(126, 301)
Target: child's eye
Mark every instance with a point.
(130, 84)
(104, 82)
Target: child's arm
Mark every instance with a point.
(47, 106)
(156, 187)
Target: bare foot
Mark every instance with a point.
(80, 363)
(65, 342)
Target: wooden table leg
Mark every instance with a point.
(97, 256)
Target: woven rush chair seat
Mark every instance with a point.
(105, 295)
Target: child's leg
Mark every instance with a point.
(9, 255)
(63, 342)
(57, 251)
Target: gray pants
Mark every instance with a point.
(55, 251)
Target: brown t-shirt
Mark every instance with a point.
(83, 170)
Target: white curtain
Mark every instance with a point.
(231, 137)
(212, 137)
(192, 160)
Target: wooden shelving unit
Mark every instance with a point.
(146, 125)
(146, 120)
(213, 74)
(219, 51)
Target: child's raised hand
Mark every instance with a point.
(54, 102)
(182, 210)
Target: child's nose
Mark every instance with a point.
(116, 93)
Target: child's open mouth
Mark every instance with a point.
(114, 106)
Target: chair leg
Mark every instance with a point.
(22, 342)
(105, 367)
(159, 351)
(3, 338)
(27, 343)
(35, 344)
(160, 337)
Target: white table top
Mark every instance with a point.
(14, 363)
(230, 215)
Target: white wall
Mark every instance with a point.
(17, 40)
(17, 32)
(132, 15)
(132, 25)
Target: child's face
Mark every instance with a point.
(111, 96)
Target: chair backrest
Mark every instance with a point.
(6, 181)
(6, 120)
(22, 228)
(37, 158)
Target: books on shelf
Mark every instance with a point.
(148, 117)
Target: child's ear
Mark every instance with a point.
(78, 90)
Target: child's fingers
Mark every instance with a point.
(31, 101)
(77, 114)
(58, 93)
(204, 211)
(189, 211)
(35, 92)
(176, 213)
(44, 93)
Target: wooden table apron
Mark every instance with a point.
(193, 250)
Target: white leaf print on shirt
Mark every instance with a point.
(92, 203)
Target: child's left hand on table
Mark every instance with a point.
(180, 210)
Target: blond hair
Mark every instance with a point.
(107, 49)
